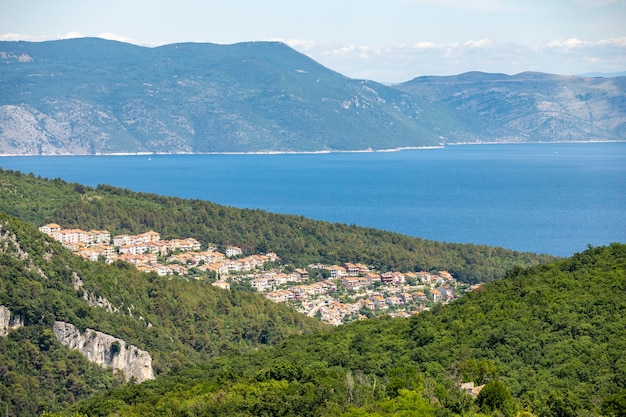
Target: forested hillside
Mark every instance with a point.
(548, 340)
(297, 240)
(180, 323)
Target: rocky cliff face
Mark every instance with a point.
(526, 107)
(6, 323)
(106, 350)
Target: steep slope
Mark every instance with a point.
(86, 96)
(142, 323)
(546, 340)
(526, 107)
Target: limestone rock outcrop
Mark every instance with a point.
(6, 323)
(106, 350)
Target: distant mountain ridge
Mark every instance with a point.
(94, 96)
(527, 107)
(604, 74)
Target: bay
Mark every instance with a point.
(547, 198)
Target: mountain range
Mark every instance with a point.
(95, 96)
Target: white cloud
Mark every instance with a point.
(300, 44)
(615, 42)
(402, 62)
(11, 37)
(575, 43)
(20, 37)
(72, 35)
(40, 38)
(483, 43)
(565, 43)
(115, 37)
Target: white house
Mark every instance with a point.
(233, 251)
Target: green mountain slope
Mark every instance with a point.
(549, 333)
(297, 240)
(179, 323)
(86, 96)
(548, 340)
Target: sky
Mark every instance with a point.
(387, 41)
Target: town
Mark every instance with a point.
(336, 294)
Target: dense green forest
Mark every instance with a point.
(547, 341)
(297, 240)
(179, 322)
(546, 338)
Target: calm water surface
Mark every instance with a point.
(549, 198)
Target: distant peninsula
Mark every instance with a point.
(94, 97)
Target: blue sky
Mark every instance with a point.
(381, 40)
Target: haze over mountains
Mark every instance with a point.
(93, 96)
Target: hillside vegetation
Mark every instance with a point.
(547, 340)
(297, 240)
(179, 322)
(93, 96)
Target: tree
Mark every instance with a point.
(115, 348)
(495, 396)
(615, 405)
(479, 371)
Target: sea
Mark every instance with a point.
(556, 198)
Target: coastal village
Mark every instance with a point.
(336, 294)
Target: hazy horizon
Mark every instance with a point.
(386, 41)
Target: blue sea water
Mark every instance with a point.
(546, 198)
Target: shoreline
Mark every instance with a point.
(560, 142)
(322, 152)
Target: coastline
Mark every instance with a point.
(537, 142)
(321, 152)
